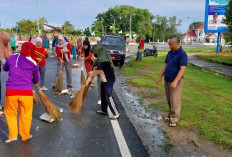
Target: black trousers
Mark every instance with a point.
(107, 100)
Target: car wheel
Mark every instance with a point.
(122, 62)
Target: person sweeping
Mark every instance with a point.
(39, 56)
(63, 51)
(23, 73)
(87, 55)
(104, 63)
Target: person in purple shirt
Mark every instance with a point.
(23, 73)
(173, 72)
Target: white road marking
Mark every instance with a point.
(125, 152)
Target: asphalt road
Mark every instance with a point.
(87, 134)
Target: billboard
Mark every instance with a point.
(214, 16)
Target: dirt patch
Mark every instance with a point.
(187, 141)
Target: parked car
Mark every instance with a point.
(116, 46)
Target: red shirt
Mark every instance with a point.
(59, 55)
(40, 53)
(88, 64)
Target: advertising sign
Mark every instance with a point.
(215, 15)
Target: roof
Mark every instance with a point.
(199, 27)
(190, 33)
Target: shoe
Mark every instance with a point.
(102, 113)
(99, 102)
(44, 88)
(11, 140)
(30, 137)
(115, 117)
(2, 111)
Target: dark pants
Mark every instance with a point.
(107, 100)
(42, 70)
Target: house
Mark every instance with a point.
(198, 35)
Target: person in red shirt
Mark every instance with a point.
(64, 51)
(87, 55)
(39, 55)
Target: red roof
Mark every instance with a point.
(190, 33)
(199, 27)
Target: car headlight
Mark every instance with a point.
(121, 52)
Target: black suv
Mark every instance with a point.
(116, 46)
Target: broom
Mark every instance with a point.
(77, 102)
(48, 104)
(82, 74)
(59, 81)
(35, 98)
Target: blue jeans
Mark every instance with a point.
(139, 55)
(53, 49)
(74, 52)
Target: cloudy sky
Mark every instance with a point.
(82, 13)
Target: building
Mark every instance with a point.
(198, 35)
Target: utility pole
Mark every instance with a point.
(154, 32)
(187, 29)
(38, 15)
(130, 26)
(114, 26)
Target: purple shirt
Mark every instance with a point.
(23, 72)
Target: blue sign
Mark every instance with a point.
(215, 15)
(16, 27)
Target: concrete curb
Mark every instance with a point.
(216, 73)
(213, 61)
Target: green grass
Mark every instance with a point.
(217, 58)
(192, 50)
(206, 100)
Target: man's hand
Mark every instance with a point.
(174, 84)
(159, 80)
(82, 58)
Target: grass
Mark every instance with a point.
(206, 100)
(221, 58)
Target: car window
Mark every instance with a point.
(112, 41)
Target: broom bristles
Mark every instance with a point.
(77, 102)
(35, 98)
(48, 105)
(59, 81)
(82, 77)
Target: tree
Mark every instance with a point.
(26, 27)
(98, 28)
(42, 21)
(165, 27)
(68, 28)
(119, 16)
(87, 32)
(228, 21)
(195, 24)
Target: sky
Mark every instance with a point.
(82, 13)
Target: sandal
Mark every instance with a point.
(102, 113)
(172, 125)
(11, 140)
(167, 118)
(27, 138)
(2, 112)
